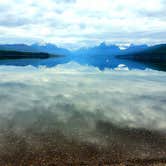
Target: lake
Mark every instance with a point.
(99, 62)
(56, 110)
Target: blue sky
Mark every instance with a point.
(77, 23)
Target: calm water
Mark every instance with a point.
(99, 62)
(72, 112)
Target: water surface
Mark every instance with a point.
(74, 113)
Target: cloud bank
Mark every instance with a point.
(76, 23)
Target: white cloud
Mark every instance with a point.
(77, 21)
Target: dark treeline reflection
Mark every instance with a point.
(74, 114)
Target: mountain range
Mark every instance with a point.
(101, 49)
(97, 55)
(47, 48)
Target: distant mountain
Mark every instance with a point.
(154, 54)
(23, 55)
(110, 50)
(134, 48)
(47, 48)
(101, 49)
(18, 47)
(50, 48)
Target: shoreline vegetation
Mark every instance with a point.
(154, 54)
(4, 55)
